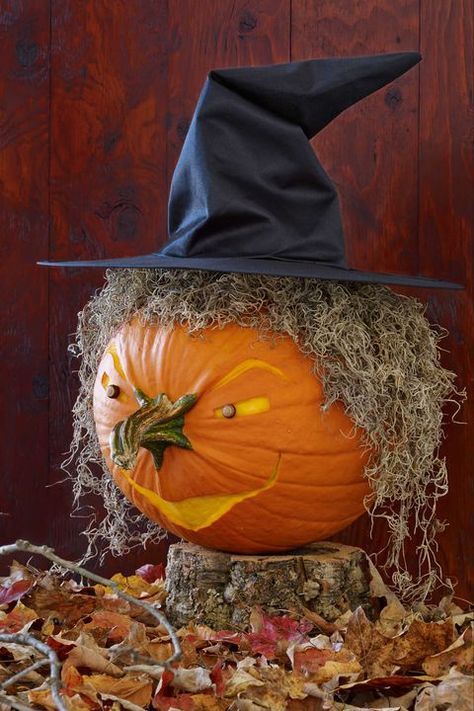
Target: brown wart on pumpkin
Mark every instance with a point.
(372, 350)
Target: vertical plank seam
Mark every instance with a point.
(167, 121)
(290, 32)
(48, 271)
(418, 164)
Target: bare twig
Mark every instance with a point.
(50, 655)
(54, 664)
(14, 703)
(33, 667)
(46, 552)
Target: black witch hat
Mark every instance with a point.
(248, 194)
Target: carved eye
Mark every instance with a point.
(253, 406)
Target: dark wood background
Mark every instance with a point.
(95, 100)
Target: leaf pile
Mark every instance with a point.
(401, 662)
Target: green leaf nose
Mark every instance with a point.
(157, 424)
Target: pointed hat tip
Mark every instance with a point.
(313, 92)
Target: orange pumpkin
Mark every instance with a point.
(221, 438)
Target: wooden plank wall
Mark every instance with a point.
(95, 102)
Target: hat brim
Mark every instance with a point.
(247, 265)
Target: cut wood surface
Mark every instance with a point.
(220, 589)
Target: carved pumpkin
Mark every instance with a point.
(221, 438)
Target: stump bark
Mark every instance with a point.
(220, 589)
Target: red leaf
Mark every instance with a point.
(308, 661)
(61, 649)
(150, 572)
(15, 591)
(273, 634)
(217, 678)
(164, 688)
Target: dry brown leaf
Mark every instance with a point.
(421, 640)
(454, 693)
(348, 707)
(43, 698)
(391, 618)
(326, 627)
(192, 680)
(118, 703)
(204, 702)
(138, 587)
(136, 689)
(373, 650)
(88, 655)
(460, 653)
(240, 681)
(117, 624)
(60, 604)
(17, 619)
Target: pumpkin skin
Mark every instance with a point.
(280, 473)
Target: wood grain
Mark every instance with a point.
(24, 149)
(446, 242)
(370, 151)
(92, 120)
(124, 89)
(217, 34)
(414, 213)
(108, 178)
(220, 589)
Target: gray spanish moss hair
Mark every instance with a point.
(381, 358)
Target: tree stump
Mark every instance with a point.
(220, 589)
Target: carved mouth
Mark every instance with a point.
(199, 512)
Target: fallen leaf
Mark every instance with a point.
(136, 585)
(421, 640)
(136, 689)
(271, 635)
(151, 573)
(319, 622)
(387, 684)
(15, 591)
(391, 618)
(454, 693)
(204, 702)
(192, 680)
(43, 698)
(240, 681)
(88, 655)
(122, 703)
(460, 654)
(117, 625)
(18, 619)
(373, 650)
(184, 702)
(60, 604)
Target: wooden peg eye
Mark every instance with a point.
(113, 391)
(229, 411)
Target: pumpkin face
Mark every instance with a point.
(221, 438)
